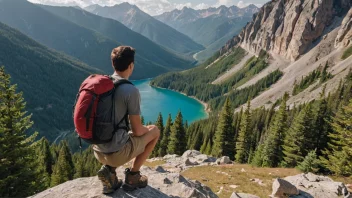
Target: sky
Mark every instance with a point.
(155, 7)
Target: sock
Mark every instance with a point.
(133, 173)
(112, 169)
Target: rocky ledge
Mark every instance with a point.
(166, 181)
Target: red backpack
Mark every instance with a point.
(94, 109)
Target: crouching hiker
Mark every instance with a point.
(113, 107)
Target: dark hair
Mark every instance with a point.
(122, 57)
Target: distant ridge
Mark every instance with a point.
(210, 27)
(141, 22)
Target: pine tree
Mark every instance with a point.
(204, 145)
(17, 171)
(142, 120)
(258, 158)
(297, 143)
(310, 163)
(166, 135)
(243, 140)
(160, 124)
(209, 147)
(223, 141)
(62, 171)
(178, 143)
(44, 162)
(339, 152)
(272, 148)
(64, 145)
(321, 123)
(79, 167)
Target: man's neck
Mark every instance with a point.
(122, 75)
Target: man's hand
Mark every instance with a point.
(136, 124)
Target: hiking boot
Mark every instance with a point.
(134, 180)
(108, 178)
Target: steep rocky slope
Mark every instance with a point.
(300, 36)
(289, 28)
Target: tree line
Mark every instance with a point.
(315, 136)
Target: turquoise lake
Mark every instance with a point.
(155, 100)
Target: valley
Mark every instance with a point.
(241, 96)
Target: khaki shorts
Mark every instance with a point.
(134, 147)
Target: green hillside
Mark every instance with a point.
(198, 81)
(49, 80)
(120, 33)
(85, 44)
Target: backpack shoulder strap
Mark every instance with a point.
(117, 83)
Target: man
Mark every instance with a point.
(125, 146)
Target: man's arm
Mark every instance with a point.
(136, 124)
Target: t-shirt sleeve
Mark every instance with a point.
(134, 102)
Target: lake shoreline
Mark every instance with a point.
(205, 105)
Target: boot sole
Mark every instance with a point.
(129, 188)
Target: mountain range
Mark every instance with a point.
(139, 21)
(88, 37)
(210, 27)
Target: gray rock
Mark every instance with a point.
(168, 156)
(160, 169)
(282, 188)
(188, 162)
(190, 153)
(161, 185)
(223, 160)
(243, 195)
(202, 158)
(311, 185)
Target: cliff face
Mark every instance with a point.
(289, 27)
(344, 36)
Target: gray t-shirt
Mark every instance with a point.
(127, 99)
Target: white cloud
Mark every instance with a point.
(242, 4)
(201, 6)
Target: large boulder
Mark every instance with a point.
(243, 195)
(161, 185)
(223, 160)
(283, 188)
(202, 158)
(311, 185)
(190, 153)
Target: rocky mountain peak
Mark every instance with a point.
(288, 28)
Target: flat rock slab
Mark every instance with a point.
(161, 184)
